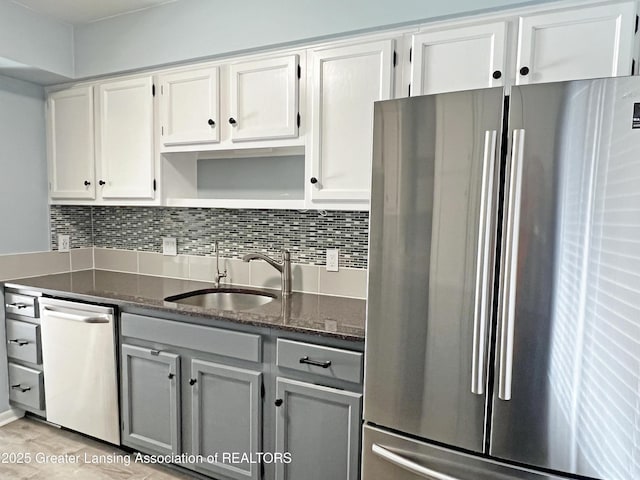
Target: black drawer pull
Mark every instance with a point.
(19, 306)
(278, 402)
(171, 375)
(19, 342)
(306, 360)
(192, 381)
(20, 387)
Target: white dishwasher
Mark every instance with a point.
(80, 367)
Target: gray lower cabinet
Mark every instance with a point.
(320, 427)
(151, 399)
(226, 416)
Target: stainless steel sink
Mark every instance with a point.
(224, 298)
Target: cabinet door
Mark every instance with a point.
(264, 99)
(226, 416)
(463, 58)
(346, 82)
(125, 139)
(189, 107)
(70, 143)
(576, 44)
(320, 427)
(151, 399)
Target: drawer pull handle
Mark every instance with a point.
(306, 360)
(17, 305)
(20, 387)
(19, 342)
(171, 375)
(278, 402)
(192, 381)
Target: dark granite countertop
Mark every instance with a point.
(324, 315)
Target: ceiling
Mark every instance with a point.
(87, 11)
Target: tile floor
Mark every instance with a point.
(28, 436)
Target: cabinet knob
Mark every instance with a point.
(102, 182)
(314, 180)
(232, 121)
(211, 122)
(524, 71)
(278, 402)
(192, 381)
(497, 74)
(171, 375)
(87, 183)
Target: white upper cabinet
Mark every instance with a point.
(189, 107)
(71, 144)
(586, 42)
(346, 81)
(125, 154)
(460, 58)
(264, 99)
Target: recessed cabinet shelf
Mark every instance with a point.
(263, 180)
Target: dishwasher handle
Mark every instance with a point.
(68, 315)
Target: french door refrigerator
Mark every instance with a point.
(503, 318)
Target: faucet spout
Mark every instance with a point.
(283, 267)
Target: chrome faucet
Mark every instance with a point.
(283, 267)
(219, 276)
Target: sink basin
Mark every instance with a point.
(224, 298)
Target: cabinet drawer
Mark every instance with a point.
(23, 341)
(320, 360)
(245, 346)
(26, 386)
(21, 304)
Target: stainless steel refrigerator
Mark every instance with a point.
(503, 318)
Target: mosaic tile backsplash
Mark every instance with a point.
(305, 233)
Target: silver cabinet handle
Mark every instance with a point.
(17, 305)
(409, 465)
(76, 317)
(19, 342)
(20, 387)
(507, 310)
(483, 264)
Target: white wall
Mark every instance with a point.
(191, 29)
(24, 212)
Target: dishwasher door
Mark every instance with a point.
(80, 372)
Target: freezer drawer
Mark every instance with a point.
(388, 456)
(26, 386)
(23, 341)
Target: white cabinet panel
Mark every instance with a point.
(70, 138)
(189, 107)
(580, 43)
(463, 58)
(125, 139)
(346, 82)
(264, 99)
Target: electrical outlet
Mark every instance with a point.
(333, 255)
(64, 242)
(169, 246)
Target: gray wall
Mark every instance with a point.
(24, 213)
(190, 29)
(28, 39)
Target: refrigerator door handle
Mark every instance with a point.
(409, 465)
(483, 272)
(507, 310)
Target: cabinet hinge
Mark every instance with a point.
(299, 71)
(298, 120)
(395, 58)
(637, 21)
(154, 184)
(153, 90)
(410, 54)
